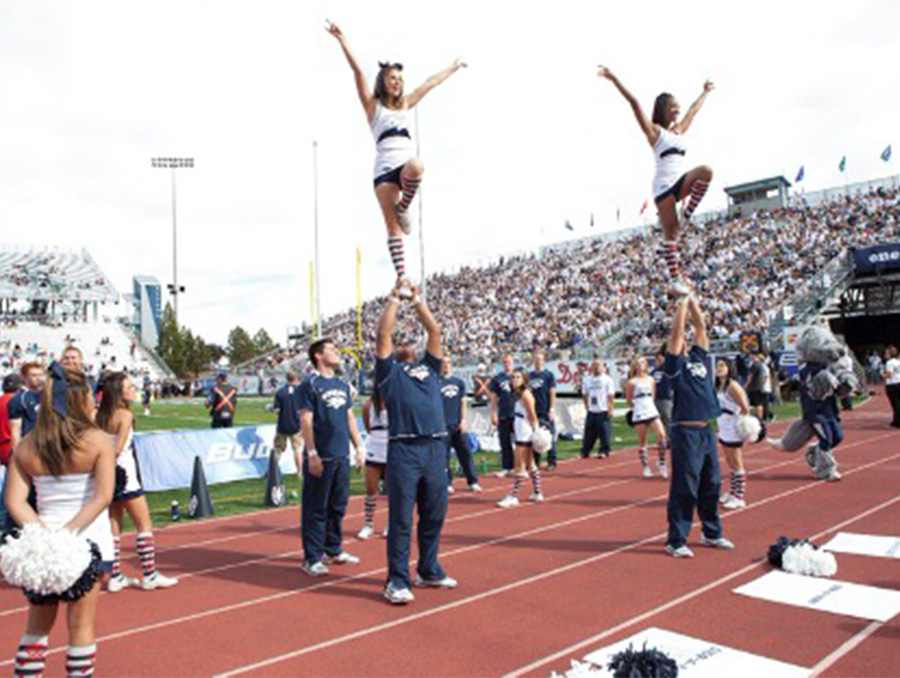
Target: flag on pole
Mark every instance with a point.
(569, 225)
(886, 153)
(843, 164)
(800, 174)
(643, 207)
(592, 219)
(618, 216)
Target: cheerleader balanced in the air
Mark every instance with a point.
(398, 172)
(673, 182)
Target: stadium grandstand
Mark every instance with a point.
(51, 298)
(604, 296)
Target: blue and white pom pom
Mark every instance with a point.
(751, 429)
(50, 565)
(542, 440)
(800, 556)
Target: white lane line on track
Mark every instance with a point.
(556, 571)
(845, 649)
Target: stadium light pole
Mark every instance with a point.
(173, 164)
(316, 266)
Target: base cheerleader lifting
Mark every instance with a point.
(398, 172)
(673, 182)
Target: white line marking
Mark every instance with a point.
(845, 649)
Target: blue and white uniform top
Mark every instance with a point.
(522, 426)
(663, 388)
(541, 381)
(501, 387)
(126, 460)
(452, 391)
(692, 386)
(394, 145)
(59, 499)
(643, 407)
(412, 392)
(329, 400)
(727, 421)
(668, 151)
(377, 441)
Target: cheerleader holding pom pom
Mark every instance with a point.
(398, 172)
(62, 548)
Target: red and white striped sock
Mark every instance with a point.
(31, 656)
(146, 550)
(669, 253)
(370, 501)
(409, 187)
(117, 556)
(536, 479)
(642, 454)
(395, 247)
(698, 190)
(80, 661)
(517, 483)
(738, 483)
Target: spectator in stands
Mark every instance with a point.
(892, 383)
(222, 402)
(287, 429)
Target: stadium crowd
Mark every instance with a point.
(746, 267)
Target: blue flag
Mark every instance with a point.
(800, 174)
(886, 153)
(569, 225)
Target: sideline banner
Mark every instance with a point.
(166, 458)
(877, 258)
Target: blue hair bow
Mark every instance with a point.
(60, 384)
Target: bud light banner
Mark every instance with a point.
(877, 258)
(166, 458)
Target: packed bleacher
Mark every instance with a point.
(52, 273)
(745, 269)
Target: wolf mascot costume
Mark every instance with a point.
(821, 383)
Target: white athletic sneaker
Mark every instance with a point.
(314, 569)
(366, 532)
(119, 582)
(680, 552)
(385, 533)
(475, 487)
(663, 469)
(450, 489)
(733, 503)
(342, 558)
(398, 596)
(508, 501)
(536, 497)
(405, 223)
(158, 580)
(647, 472)
(502, 474)
(405, 291)
(445, 583)
(720, 543)
(725, 497)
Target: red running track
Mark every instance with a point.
(539, 584)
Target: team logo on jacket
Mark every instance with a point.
(335, 398)
(697, 370)
(449, 390)
(536, 384)
(420, 372)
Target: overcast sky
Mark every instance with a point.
(524, 139)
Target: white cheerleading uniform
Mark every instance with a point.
(669, 151)
(394, 145)
(521, 426)
(59, 499)
(727, 421)
(127, 463)
(643, 409)
(377, 441)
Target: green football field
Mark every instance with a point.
(247, 495)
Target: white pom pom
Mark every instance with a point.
(749, 428)
(807, 560)
(542, 440)
(44, 560)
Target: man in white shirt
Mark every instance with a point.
(598, 392)
(845, 364)
(892, 383)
